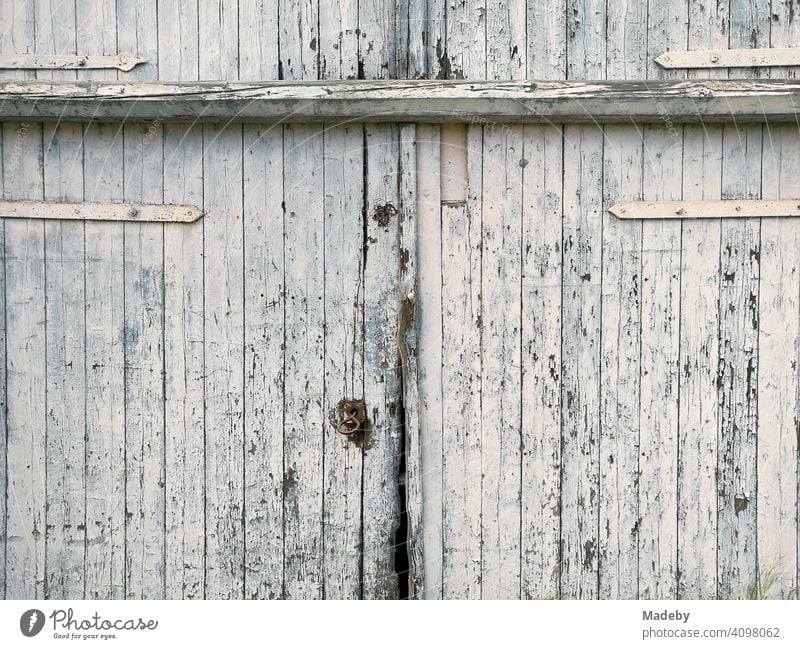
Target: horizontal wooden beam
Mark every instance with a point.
(705, 209)
(488, 102)
(99, 211)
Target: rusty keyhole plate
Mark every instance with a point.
(349, 416)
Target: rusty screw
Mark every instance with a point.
(349, 416)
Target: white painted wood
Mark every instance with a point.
(778, 385)
(263, 362)
(376, 44)
(105, 211)
(344, 354)
(299, 38)
(105, 372)
(184, 370)
(699, 335)
(739, 374)
(506, 39)
(718, 209)
(658, 414)
(460, 326)
(258, 51)
(25, 526)
(304, 373)
(404, 101)
(620, 368)
(3, 393)
(66, 371)
(339, 41)
(461, 41)
(540, 332)
(218, 22)
(547, 53)
(733, 58)
(501, 362)
(429, 360)
(581, 242)
(382, 376)
(411, 467)
(453, 163)
(123, 62)
(144, 370)
(224, 361)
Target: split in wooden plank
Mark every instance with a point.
(705, 209)
(404, 101)
(139, 212)
(724, 58)
(122, 61)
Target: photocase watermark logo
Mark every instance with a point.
(31, 622)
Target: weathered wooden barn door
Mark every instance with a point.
(167, 388)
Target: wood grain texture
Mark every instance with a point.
(66, 371)
(540, 338)
(382, 375)
(184, 371)
(344, 355)
(304, 374)
(429, 330)
(3, 398)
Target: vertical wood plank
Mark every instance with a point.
(25, 369)
(264, 361)
(660, 342)
(184, 370)
(778, 386)
(3, 394)
(779, 348)
(178, 39)
(412, 497)
(377, 24)
(66, 372)
(224, 361)
(462, 53)
(739, 321)
(581, 314)
(339, 41)
(304, 418)
(258, 40)
(344, 354)
(547, 51)
(429, 357)
(699, 335)
(218, 21)
(460, 272)
(105, 368)
(144, 368)
(541, 362)
(621, 322)
(501, 362)
(621, 347)
(381, 365)
(64, 335)
(298, 57)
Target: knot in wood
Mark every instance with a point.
(349, 416)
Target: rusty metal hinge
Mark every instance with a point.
(741, 58)
(99, 211)
(706, 209)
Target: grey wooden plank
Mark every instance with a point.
(218, 22)
(264, 311)
(343, 157)
(184, 370)
(408, 339)
(224, 361)
(25, 370)
(699, 344)
(377, 25)
(382, 382)
(144, 370)
(540, 333)
(405, 101)
(258, 40)
(298, 38)
(339, 41)
(3, 395)
(620, 367)
(547, 52)
(429, 359)
(459, 419)
(500, 386)
(304, 374)
(66, 368)
(105, 367)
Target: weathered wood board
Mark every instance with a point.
(561, 403)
